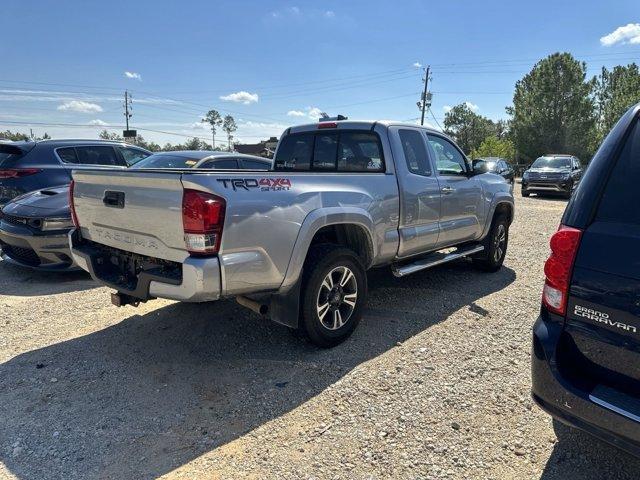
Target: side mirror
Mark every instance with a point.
(480, 166)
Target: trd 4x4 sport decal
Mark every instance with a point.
(264, 184)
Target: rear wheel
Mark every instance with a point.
(495, 246)
(525, 193)
(333, 296)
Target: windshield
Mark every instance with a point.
(163, 160)
(552, 162)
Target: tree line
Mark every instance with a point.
(556, 109)
(213, 118)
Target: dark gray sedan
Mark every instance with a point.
(34, 226)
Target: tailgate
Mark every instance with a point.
(602, 330)
(135, 211)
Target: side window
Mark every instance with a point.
(67, 155)
(97, 155)
(294, 152)
(221, 164)
(449, 160)
(324, 151)
(620, 194)
(415, 151)
(254, 165)
(360, 152)
(132, 155)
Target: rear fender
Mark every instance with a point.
(311, 225)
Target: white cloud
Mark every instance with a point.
(133, 75)
(417, 65)
(299, 14)
(243, 97)
(200, 126)
(472, 106)
(447, 108)
(296, 113)
(98, 122)
(314, 112)
(629, 33)
(80, 106)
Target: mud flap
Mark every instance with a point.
(285, 307)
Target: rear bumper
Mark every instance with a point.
(39, 251)
(567, 403)
(199, 280)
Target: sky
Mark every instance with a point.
(273, 64)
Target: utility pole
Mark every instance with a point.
(127, 115)
(127, 104)
(424, 94)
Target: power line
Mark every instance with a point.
(435, 119)
(104, 127)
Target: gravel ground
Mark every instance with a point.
(433, 384)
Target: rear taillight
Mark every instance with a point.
(564, 247)
(18, 172)
(203, 219)
(72, 206)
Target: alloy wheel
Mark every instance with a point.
(337, 298)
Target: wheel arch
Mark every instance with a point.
(348, 227)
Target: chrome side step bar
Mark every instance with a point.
(436, 258)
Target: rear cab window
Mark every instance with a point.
(342, 151)
(415, 152)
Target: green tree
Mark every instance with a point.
(214, 119)
(467, 128)
(615, 92)
(14, 137)
(553, 109)
(493, 146)
(229, 126)
(106, 135)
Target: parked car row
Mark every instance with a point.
(295, 240)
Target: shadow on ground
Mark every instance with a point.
(579, 455)
(24, 282)
(151, 393)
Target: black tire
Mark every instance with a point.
(495, 246)
(322, 260)
(568, 194)
(525, 193)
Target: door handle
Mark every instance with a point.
(446, 189)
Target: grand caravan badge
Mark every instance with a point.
(601, 317)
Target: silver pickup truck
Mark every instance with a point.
(293, 243)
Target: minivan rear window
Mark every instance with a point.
(342, 151)
(620, 195)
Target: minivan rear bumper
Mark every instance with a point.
(197, 281)
(567, 403)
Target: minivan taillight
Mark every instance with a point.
(18, 172)
(558, 267)
(72, 206)
(203, 219)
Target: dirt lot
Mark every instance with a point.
(433, 384)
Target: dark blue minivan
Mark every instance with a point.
(29, 166)
(586, 342)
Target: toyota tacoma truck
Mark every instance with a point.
(293, 243)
